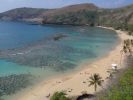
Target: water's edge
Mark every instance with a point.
(75, 70)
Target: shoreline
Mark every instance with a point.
(76, 83)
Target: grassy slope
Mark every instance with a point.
(123, 90)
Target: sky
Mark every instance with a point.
(11, 4)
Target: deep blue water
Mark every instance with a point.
(83, 43)
(14, 34)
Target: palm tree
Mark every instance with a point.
(124, 50)
(132, 42)
(95, 80)
(127, 48)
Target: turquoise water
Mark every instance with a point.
(81, 43)
(31, 49)
(9, 68)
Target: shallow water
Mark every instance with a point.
(50, 57)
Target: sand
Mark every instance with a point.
(74, 84)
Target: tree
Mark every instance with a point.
(59, 96)
(95, 80)
(127, 48)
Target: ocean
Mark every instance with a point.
(48, 50)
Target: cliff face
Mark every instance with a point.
(80, 14)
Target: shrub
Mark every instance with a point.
(130, 27)
(59, 96)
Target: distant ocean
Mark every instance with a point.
(80, 43)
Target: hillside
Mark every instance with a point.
(80, 14)
(74, 14)
(22, 14)
(118, 18)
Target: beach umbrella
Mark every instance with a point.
(114, 66)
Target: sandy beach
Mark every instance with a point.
(76, 83)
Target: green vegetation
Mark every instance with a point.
(123, 87)
(82, 14)
(123, 90)
(120, 18)
(83, 17)
(19, 14)
(59, 96)
(130, 27)
(127, 46)
(95, 80)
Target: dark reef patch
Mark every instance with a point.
(59, 36)
(48, 53)
(13, 83)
